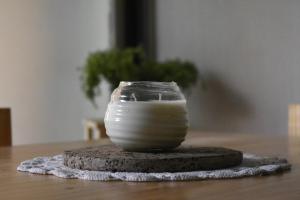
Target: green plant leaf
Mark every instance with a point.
(130, 64)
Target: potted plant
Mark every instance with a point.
(131, 64)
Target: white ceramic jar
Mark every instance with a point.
(147, 116)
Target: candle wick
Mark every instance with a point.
(133, 96)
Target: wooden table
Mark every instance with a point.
(19, 185)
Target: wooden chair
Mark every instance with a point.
(5, 127)
(94, 129)
(294, 119)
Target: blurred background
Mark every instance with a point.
(247, 51)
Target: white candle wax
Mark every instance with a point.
(147, 125)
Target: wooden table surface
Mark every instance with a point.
(20, 185)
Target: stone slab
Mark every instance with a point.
(113, 158)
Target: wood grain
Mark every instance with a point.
(5, 127)
(18, 185)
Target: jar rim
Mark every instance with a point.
(169, 83)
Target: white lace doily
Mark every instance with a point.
(252, 166)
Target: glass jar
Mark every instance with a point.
(147, 116)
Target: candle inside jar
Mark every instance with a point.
(146, 116)
(147, 125)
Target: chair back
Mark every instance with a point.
(5, 127)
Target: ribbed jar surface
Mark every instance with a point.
(147, 125)
(146, 116)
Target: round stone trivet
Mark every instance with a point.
(113, 158)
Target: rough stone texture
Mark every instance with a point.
(113, 158)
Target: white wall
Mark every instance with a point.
(42, 43)
(250, 53)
